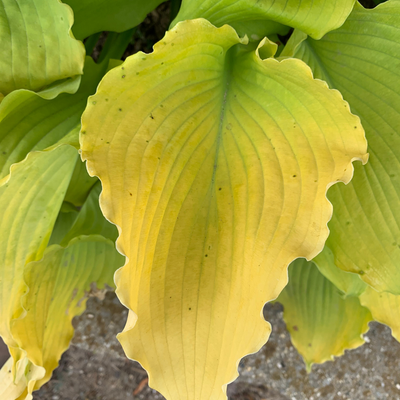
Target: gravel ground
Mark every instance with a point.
(95, 368)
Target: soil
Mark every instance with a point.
(95, 367)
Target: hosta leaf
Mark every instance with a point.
(59, 286)
(348, 283)
(361, 60)
(258, 29)
(93, 16)
(315, 17)
(321, 323)
(37, 47)
(28, 122)
(13, 386)
(80, 185)
(384, 307)
(30, 198)
(89, 220)
(214, 165)
(66, 218)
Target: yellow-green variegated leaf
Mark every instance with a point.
(322, 324)
(315, 17)
(384, 307)
(28, 122)
(362, 60)
(214, 164)
(59, 286)
(30, 198)
(37, 47)
(348, 283)
(91, 16)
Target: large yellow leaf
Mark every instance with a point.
(215, 165)
(322, 324)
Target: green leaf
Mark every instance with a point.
(65, 219)
(321, 323)
(348, 283)
(88, 221)
(30, 198)
(30, 123)
(361, 59)
(93, 16)
(59, 286)
(315, 17)
(37, 47)
(214, 164)
(80, 186)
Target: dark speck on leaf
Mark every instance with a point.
(123, 76)
(220, 189)
(295, 328)
(122, 67)
(130, 193)
(206, 255)
(119, 109)
(151, 116)
(294, 176)
(190, 309)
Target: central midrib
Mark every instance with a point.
(226, 81)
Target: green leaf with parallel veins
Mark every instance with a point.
(37, 47)
(87, 221)
(93, 16)
(348, 283)
(80, 186)
(321, 323)
(214, 161)
(362, 60)
(30, 123)
(315, 17)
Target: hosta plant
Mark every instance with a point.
(215, 153)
